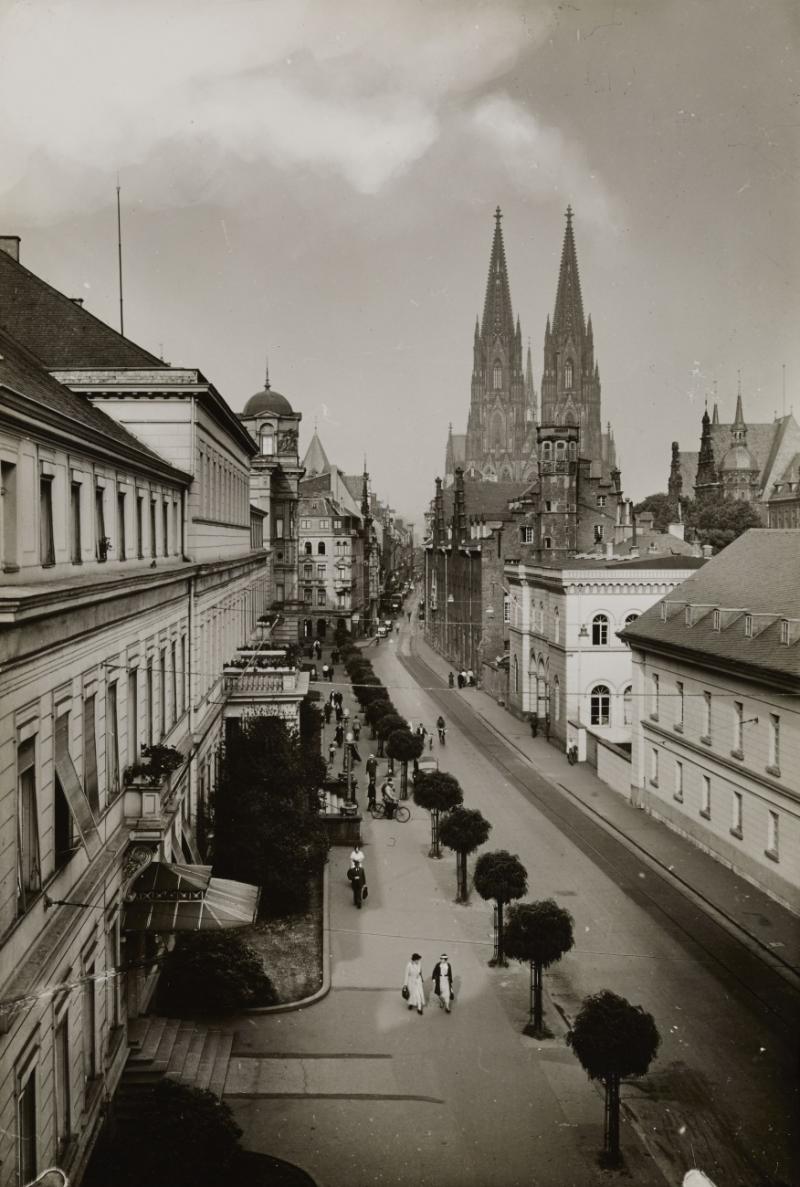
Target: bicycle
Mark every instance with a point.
(401, 813)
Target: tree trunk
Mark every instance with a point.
(435, 849)
(403, 780)
(536, 970)
(461, 876)
(611, 1147)
(498, 958)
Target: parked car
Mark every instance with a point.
(426, 765)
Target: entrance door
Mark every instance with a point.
(322, 627)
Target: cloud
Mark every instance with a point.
(360, 89)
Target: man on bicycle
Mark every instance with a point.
(389, 798)
(441, 728)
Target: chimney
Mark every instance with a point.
(10, 245)
(609, 551)
(707, 551)
(77, 301)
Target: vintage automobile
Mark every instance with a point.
(426, 765)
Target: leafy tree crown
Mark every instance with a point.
(404, 746)
(437, 791)
(464, 829)
(500, 876)
(538, 932)
(613, 1038)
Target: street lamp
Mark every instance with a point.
(349, 738)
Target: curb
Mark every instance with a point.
(324, 990)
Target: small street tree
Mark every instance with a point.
(404, 746)
(377, 709)
(612, 1039)
(539, 933)
(387, 725)
(500, 876)
(463, 830)
(437, 792)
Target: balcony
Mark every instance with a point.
(263, 683)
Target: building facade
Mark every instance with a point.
(716, 738)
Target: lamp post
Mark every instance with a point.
(349, 738)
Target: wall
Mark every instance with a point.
(614, 768)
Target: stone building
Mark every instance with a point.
(783, 504)
(129, 580)
(716, 734)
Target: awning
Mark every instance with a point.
(175, 897)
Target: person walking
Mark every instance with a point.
(372, 768)
(470, 678)
(324, 671)
(331, 752)
(326, 712)
(357, 856)
(442, 977)
(371, 795)
(414, 984)
(331, 671)
(356, 728)
(338, 712)
(339, 735)
(451, 680)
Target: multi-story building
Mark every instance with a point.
(783, 504)
(716, 694)
(131, 573)
(327, 538)
(568, 668)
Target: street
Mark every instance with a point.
(356, 1089)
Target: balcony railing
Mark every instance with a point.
(250, 683)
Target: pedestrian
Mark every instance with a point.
(451, 680)
(332, 697)
(372, 768)
(357, 856)
(413, 984)
(331, 671)
(337, 698)
(471, 678)
(318, 649)
(371, 795)
(339, 735)
(463, 678)
(326, 712)
(346, 713)
(331, 752)
(324, 671)
(338, 713)
(442, 977)
(389, 797)
(356, 728)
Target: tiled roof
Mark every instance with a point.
(22, 373)
(790, 474)
(762, 441)
(316, 459)
(58, 331)
(487, 499)
(759, 574)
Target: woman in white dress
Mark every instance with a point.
(414, 984)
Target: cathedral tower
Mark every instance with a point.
(500, 442)
(571, 378)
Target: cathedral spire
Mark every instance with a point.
(568, 314)
(498, 317)
(739, 428)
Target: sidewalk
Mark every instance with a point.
(772, 929)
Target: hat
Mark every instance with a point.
(443, 956)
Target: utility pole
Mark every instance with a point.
(119, 261)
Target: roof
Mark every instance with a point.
(498, 316)
(762, 440)
(487, 499)
(568, 313)
(757, 574)
(267, 400)
(22, 373)
(61, 333)
(316, 459)
(317, 504)
(783, 488)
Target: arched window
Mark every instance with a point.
(547, 451)
(599, 705)
(629, 618)
(556, 628)
(627, 706)
(516, 675)
(556, 700)
(309, 548)
(573, 450)
(568, 375)
(600, 630)
(321, 548)
(267, 441)
(497, 375)
(561, 450)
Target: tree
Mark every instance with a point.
(463, 830)
(539, 933)
(212, 973)
(437, 792)
(266, 822)
(405, 747)
(369, 689)
(377, 709)
(500, 876)
(718, 521)
(660, 507)
(612, 1039)
(197, 1130)
(387, 725)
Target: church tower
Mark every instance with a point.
(571, 378)
(500, 442)
(706, 483)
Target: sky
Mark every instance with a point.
(314, 181)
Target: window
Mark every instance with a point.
(653, 767)
(627, 706)
(153, 526)
(561, 450)
(629, 618)
(337, 523)
(705, 796)
(601, 500)
(548, 504)
(173, 647)
(89, 1020)
(176, 535)
(678, 792)
(547, 542)
(113, 986)
(598, 533)
(738, 729)
(706, 718)
(139, 526)
(320, 597)
(556, 625)
(506, 608)
(47, 548)
(774, 744)
(526, 535)
(120, 526)
(600, 705)
(497, 375)
(28, 866)
(100, 538)
(27, 1162)
(8, 495)
(308, 572)
(308, 548)
(321, 548)
(321, 572)
(267, 442)
(280, 594)
(772, 836)
(149, 707)
(599, 630)
(515, 674)
(748, 626)
(568, 375)
(165, 528)
(654, 696)
(308, 596)
(716, 620)
(90, 756)
(162, 664)
(305, 523)
(736, 814)
(133, 716)
(324, 524)
(62, 1103)
(785, 631)
(184, 675)
(112, 743)
(62, 821)
(573, 450)
(75, 522)
(547, 451)
(680, 706)
(557, 699)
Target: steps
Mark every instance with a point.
(189, 1052)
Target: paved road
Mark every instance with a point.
(357, 1090)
